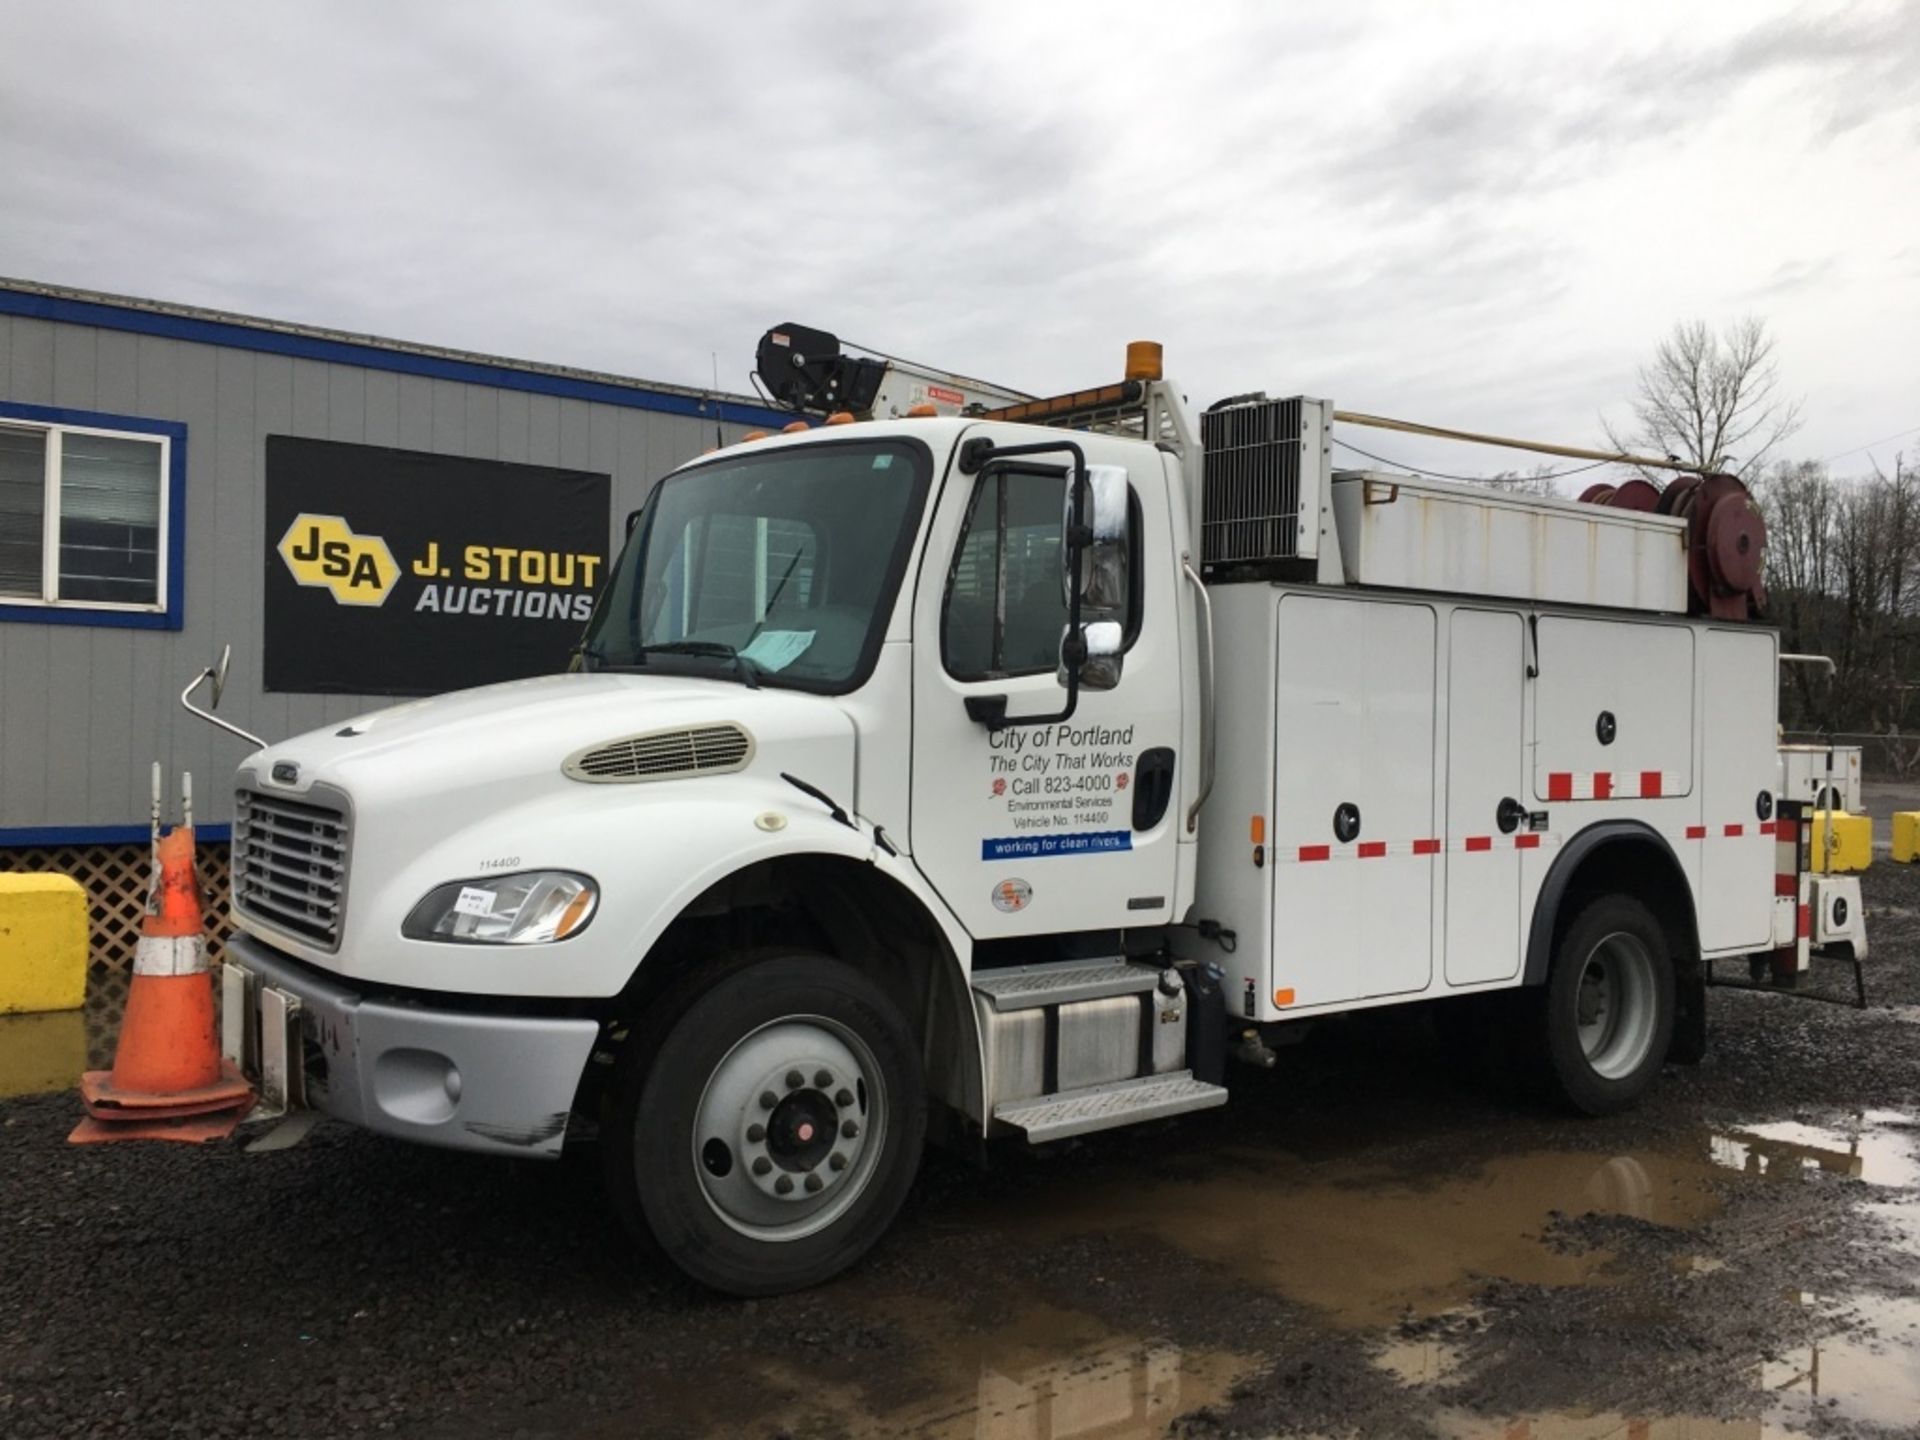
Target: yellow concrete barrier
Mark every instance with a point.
(43, 943)
(1852, 841)
(41, 1054)
(1906, 836)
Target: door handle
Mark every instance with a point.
(1509, 815)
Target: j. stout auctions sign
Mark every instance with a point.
(392, 572)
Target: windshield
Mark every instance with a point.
(779, 567)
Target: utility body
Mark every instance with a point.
(1011, 773)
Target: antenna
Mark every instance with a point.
(718, 438)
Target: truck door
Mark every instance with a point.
(1353, 822)
(1486, 771)
(1074, 825)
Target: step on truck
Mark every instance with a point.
(995, 767)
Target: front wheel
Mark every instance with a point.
(1608, 1010)
(773, 1134)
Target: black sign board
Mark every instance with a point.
(394, 572)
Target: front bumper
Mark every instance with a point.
(502, 1084)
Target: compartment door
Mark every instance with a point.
(1486, 764)
(1354, 727)
(1737, 753)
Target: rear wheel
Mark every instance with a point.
(1608, 1010)
(772, 1135)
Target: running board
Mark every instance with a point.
(1027, 987)
(1106, 1107)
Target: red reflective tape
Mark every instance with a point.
(1806, 921)
(1786, 885)
(1426, 847)
(1769, 827)
(1316, 852)
(1734, 832)
(1650, 786)
(1603, 785)
(1696, 832)
(1559, 785)
(1526, 842)
(1479, 842)
(1372, 849)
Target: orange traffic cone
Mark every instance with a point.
(168, 1080)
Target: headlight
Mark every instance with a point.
(525, 909)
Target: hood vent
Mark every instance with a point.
(662, 755)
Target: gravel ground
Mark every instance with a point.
(1366, 1241)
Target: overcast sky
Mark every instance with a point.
(1480, 215)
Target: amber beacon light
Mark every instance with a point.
(1143, 360)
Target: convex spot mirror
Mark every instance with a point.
(1101, 667)
(219, 674)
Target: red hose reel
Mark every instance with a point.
(1726, 538)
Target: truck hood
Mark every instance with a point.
(494, 738)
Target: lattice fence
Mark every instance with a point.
(116, 878)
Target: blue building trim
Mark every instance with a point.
(174, 616)
(20, 837)
(375, 357)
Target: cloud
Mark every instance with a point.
(1485, 216)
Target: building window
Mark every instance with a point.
(83, 517)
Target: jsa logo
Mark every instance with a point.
(323, 550)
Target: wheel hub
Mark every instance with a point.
(789, 1107)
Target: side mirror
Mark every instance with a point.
(1100, 577)
(1103, 558)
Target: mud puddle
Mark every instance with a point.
(1038, 1373)
(1367, 1246)
(41, 1054)
(1881, 1147)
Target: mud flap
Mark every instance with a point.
(1689, 1044)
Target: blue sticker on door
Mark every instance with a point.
(1039, 847)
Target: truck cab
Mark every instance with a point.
(996, 774)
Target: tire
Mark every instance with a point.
(769, 1137)
(1606, 1015)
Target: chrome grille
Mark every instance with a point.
(663, 755)
(290, 864)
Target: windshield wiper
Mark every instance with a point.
(590, 655)
(748, 672)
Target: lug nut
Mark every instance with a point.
(843, 1099)
(814, 1182)
(837, 1160)
(784, 1184)
(768, 1099)
(849, 1128)
(762, 1165)
(795, 1079)
(822, 1079)
(756, 1132)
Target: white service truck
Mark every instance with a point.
(1009, 773)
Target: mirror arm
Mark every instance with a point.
(976, 455)
(186, 703)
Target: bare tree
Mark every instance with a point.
(1711, 400)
